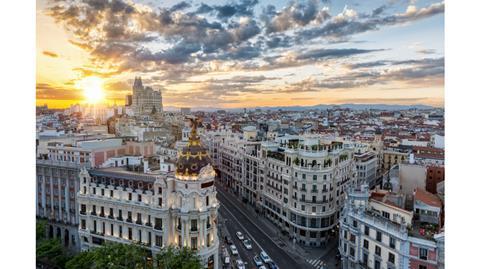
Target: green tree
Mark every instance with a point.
(83, 260)
(184, 258)
(52, 252)
(40, 229)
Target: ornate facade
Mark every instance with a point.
(145, 100)
(155, 209)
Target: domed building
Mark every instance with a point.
(155, 208)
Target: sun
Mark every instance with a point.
(92, 89)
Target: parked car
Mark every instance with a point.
(262, 267)
(265, 257)
(258, 262)
(240, 235)
(240, 264)
(234, 250)
(228, 240)
(248, 244)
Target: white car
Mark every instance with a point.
(248, 244)
(240, 264)
(258, 262)
(240, 235)
(234, 250)
(265, 257)
(226, 260)
(262, 267)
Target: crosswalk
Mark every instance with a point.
(317, 263)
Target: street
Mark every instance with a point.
(236, 219)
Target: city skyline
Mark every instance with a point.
(243, 53)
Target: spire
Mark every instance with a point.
(137, 84)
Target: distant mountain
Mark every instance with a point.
(315, 107)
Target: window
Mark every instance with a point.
(379, 236)
(367, 230)
(193, 243)
(83, 209)
(120, 234)
(352, 252)
(365, 258)
(159, 190)
(391, 258)
(94, 226)
(345, 234)
(392, 242)
(129, 196)
(140, 235)
(355, 224)
(193, 225)
(83, 224)
(420, 266)
(111, 193)
(103, 192)
(386, 214)
(129, 233)
(365, 243)
(160, 201)
(352, 238)
(158, 224)
(139, 197)
(111, 229)
(314, 177)
(423, 253)
(378, 251)
(377, 264)
(158, 240)
(94, 190)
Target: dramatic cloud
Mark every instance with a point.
(295, 14)
(348, 23)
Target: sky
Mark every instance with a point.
(242, 53)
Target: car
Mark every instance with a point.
(265, 257)
(228, 240)
(248, 244)
(234, 250)
(240, 235)
(262, 267)
(226, 260)
(240, 264)
(258, 262)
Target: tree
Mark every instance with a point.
(40, 229)
(51, 251)
(83, 260)
(172, 258)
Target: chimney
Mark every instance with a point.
(145, 166)
(411, 159)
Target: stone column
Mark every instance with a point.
(44, 195)
(60, 198)
(67, 196)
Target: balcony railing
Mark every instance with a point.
(129, 220)
(149, 224)
(120, 218)
(314, 190)
(138, 222)
(93, 213)
(157, 227)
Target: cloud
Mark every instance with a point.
(348, 23)
(420, 72)
(50, 54)
(240, 8)
(426, 51)
(48, 91)
(295, 14)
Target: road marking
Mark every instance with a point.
(239, 223)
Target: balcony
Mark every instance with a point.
(120, 218)
(129, 220)
(111, 217)
(149, 224)
(93, 213)
(194, 229)
(102, 215)
(157, 227)
(314, 190)
(139, 222)
(83, 213)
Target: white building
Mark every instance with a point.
(156, 208)
(297, 182)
